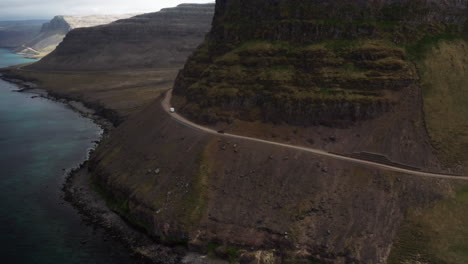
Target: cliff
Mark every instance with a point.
(310, 62)
(53, 32)
(15, 33)
(161, 39)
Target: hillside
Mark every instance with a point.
(15, 33)
(160, 39)
(343, 61)
(53, 32)
(343, 70)
(380, 77)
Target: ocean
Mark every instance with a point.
(39, 140)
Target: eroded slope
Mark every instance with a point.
(253, 202)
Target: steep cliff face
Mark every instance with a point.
(162, 39)
(308, 21)
(16, 33)
(310, 62)
(53, 32)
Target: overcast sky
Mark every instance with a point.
(46, 9)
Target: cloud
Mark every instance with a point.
(46, 9)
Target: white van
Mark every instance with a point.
(172, 110)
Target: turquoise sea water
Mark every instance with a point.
(38, 140)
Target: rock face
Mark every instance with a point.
(163, 39)
(53, 32)
(310, 62)
(347, 65)
(16, 33)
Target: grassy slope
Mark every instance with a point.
(445, 77)
(278, 80)
(437, 235)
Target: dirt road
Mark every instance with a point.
(166, 106)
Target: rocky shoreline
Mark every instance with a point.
(78, 190)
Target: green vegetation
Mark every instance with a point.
(436, 235)
(229, 253)
(421, 48)
(121, 206)
(280, 81)
(444, 77)
(196, 199)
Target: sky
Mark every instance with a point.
(47, 9)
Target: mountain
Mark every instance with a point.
(15, 33)
(376, 80)
(349, 83)
(53, 32)
(160, 39)
(336, 63)
(345, 69)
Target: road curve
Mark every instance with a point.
(166, 106)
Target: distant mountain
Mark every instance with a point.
(53, 32)
(15, 33)
(160, 39)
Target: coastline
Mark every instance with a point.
(79, 192)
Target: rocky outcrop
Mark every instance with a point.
(16, 33)
(161, 39)
(310, 62)
(53, 32)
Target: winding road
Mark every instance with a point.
(166, 104)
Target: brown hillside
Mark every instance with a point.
(257, 202)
